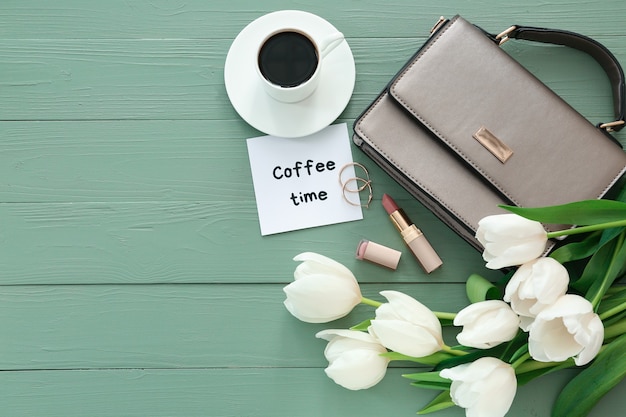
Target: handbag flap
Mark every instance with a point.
(507, 126)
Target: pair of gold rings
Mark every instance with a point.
(356, 184)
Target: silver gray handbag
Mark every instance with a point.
(465, 128)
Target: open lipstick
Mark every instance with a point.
(413, 237)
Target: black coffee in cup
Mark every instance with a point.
(288, 59)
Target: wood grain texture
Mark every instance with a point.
(123, 161)
(256, 392)
(133, 277)
(174, 326)
(164, 79)
(198, 19)
(200, 242)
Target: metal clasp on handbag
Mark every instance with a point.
(504, 36)
(609, 126)
(437, 25)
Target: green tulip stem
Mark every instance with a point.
(615, 330)
(520, 360)
(586, 229)
(370, 302)
(447, 349)
(613, 311)
(605, 282)
(533, 365)
(615, 288)
(445, 316)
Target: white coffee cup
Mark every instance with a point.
(289, 62)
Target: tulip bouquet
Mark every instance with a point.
(550, 312)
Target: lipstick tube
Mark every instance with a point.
(413, 237)
(378, 254)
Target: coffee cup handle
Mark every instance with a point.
(330, 43)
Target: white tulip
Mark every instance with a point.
(485, 388)
(486, 324)
(323, 289)
(535, 286)
(510, 240)
(567, 329)
(406, 326)
(354, 358)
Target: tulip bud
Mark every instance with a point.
(510, 240)
(486, 324)
(485, 387)
(535, 286)
(568, 328)
(354, 357)
(406, 326)
(323, 289)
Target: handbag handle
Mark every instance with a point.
(596, 50)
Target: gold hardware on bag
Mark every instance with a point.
(609, 126)
(493, 144)
(440, 22)
(504, 36)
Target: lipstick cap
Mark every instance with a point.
(378, 254)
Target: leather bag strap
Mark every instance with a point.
(596, 50)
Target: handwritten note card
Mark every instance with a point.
(296, 180)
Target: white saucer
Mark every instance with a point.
(255, 106)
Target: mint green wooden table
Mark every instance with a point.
(133, 277)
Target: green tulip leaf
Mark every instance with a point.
(611, 271)
(596, 267)
(587, 388)
(523, 350)
(479, 289)
(524, 378)
(362, 326)
(586, 247)
(612, 305)
(621, 196)
(515, 348)
(578, 250)
(441, 401)
(579, 213)
(610, 234)
(614, 327)
(431, 360)
(470, 356)
(429, 380)
(614, 320)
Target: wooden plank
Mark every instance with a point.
(259, 392)
(147, 79)
(124, 161)
(198, 19)
(201, 242)
(174, 326)
(165, 160)
(74, 79)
